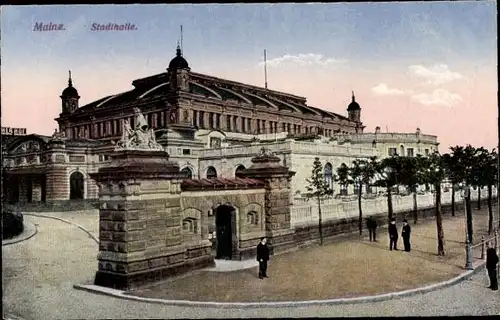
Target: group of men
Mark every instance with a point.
(491, 255)
(371, 224)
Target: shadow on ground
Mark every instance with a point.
(350, 268)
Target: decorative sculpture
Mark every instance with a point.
(266, 153)
(139, 138)
(58, 135)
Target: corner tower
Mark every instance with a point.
(354, 110)
(69, 98)
(178, 71)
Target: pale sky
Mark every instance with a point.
(420, 64)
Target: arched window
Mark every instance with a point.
(239, 170)
(211, 173)
(328, 174)
(189, 225)
(187, 173)
(252, 218)
(76, 186)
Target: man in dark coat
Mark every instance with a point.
(405, 234)
(393, 235)
(491, 266)
(371, 224)
(262, 257)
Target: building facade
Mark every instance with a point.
(212, 127)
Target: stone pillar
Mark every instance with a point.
(223, 122)
(57, 172)
(23, 189)
(36, 190)
(266, 166)
(140, 226)
(206, 117)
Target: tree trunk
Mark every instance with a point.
(439, 222)
(360, 210)
(453, 200)
(490, 209)
(478, 198)
(415, 207)
(320, 222)
(389, 203)
(468, 209)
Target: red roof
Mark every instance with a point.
(221, 183)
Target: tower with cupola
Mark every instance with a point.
(69, 98)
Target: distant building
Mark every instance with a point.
(211, 126)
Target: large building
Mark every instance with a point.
(237, 161)
(212, 127)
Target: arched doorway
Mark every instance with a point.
(187, 173)
(76, 186)
(225, 230)
(211, 173)
(238, 173)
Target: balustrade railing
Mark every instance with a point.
(305, 212)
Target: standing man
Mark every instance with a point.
(491, 265)
(405, 234)
(262, 257)
(371, 224)
(393, 235)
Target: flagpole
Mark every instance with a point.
(265, 67)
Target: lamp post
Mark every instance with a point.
(468, 245)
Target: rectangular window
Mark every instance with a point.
(409, 152)
(154, 120)
(343, 189)
(201, 119)
(228, 123)
(258, 126)
(356, 188)
(211, 120)
(195, 118)
(217, 121)
(162, 119)
(243, 124)
(392, 152)
(426, 152)
(186, 151)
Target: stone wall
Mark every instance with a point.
(58, 206)
(306, 212)
(250, 224)
(308, 234)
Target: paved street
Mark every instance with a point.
(38, 276)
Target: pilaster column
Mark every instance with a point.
(223, 122)
(23, 189)
(36, 190)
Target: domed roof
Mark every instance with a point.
(178, 62)
(353, 105)
(70, 91)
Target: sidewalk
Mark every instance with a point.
(341, 270)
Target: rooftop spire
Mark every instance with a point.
(179, 51)
(353, 98)
(70, 82)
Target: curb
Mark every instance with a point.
(29, 231)
(376, 298)
(65, 221)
